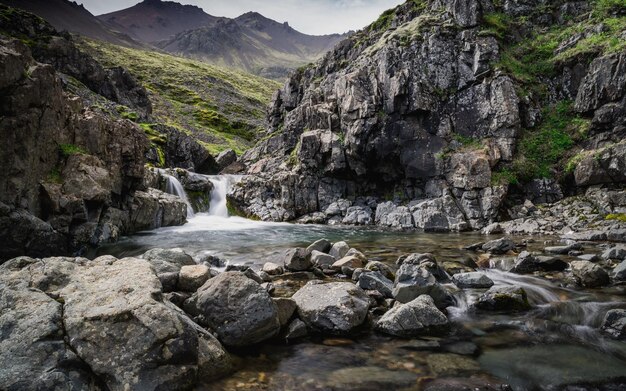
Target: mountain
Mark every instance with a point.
(252, 42)
(156, 20)
(69, 16)
(448, 116)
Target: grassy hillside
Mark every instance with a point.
(221, 108)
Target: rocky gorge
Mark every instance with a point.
(437, 204)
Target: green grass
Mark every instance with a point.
(55, 176)
(384, 20)
(616, 217)
(496, 24)
(504, 177)
(68, 150)
(221, 108)
(468, 142)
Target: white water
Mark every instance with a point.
(221, 186)
(174, 187)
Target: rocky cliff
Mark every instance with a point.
(72, 175)
(443, 113)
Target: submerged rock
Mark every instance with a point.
(333, 308)
(370, 378)
(530, 263)
(417, 317)
(238, 309)
(503, 298)
(499, 246)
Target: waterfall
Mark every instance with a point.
(174, 187)
(221, 185)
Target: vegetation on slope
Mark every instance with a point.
(531, 61)
(221, 108)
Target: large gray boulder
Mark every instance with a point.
(153, 209)
(619, 273)
(589, 274)
(414, 280)
(375, 281)
(332, 308)
(238, 309)
(474, 280)
(530, 263)
(417, 317)
(297, 260)
(389, 214)
(110, 322)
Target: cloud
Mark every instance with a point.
(309, 16)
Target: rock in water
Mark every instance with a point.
(589, 274)
(529, 263)
(472, 280)
(504, 298)
(614, 324)
(417, 317)
(414, 280)
(333, 308)
(375, 281)
(238, 309)
(619, 273)
(339, 250)
(500, 246)
(322, 245)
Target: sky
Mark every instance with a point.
(314, 17)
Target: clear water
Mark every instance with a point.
(554, 345)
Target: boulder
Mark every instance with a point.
(390, 215)
(190, 278)
(619, 273)
(155, 209)
(297, 329)
(332, 308)
(339, 250)
(352, 262)
(617, 253)
(167, 265)
(529, 263)
(492, 229)
(499, 246)
(358, 215)
(564, 250)
(414, 280)
(475, 280)
(589, 274)
(322, 245)
(286, 308)
(272, 269)
(384, 269)
(238, 309)
(297, 260)
(417, 317)
(375, 281)
(614, 324)
(226, 158)
(322, 260)
(503, 299)
(114, 326)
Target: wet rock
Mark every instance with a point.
(322, 245)
(370, 378)
(190, 278)
(465, 384)
(590, 257)
(413, 281)
(589, 274)
(503, 298)
(417, 317)
(462, 348)
(286, 308)
(272, 269)
(155, 209)
(614, 324)
(375, 281)
(322, 260)
(297, 260)
(499, 246)
(563, 250)
(453, 267)
(339, 250)
(222, 302)
(333, 308)
(529, 263)
(297, 329)
(618, 253)
(475, 280)
(619, 273)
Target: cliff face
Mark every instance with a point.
(71, 174)
(444, 107)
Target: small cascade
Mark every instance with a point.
(174, 187)
(221, 186)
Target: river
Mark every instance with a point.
(555, 344)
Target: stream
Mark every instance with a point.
(555, 346)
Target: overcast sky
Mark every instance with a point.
(308, 16)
